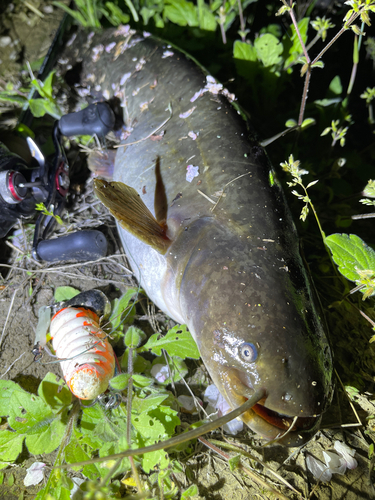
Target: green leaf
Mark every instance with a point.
(65, 293)
(141, 380)
(120, 308)
(269, 49)
(327, 102)
(156, 424)
(10, 446)
(47, 86)
(134, 337)
(307, 122)
(369, 189)
(31, 418)
(11, 97)
(98, 426)
(75, 452)
(295, 49)
(177, 342)
(352, 255)
(147, 404)
(39, 107)
(234, 462)
(244, 51)
(54, 392)
(159, 459)
(207, 19)
(290, 123)
(181, 12)
(192, 491)
(120, 382)
(335, 86)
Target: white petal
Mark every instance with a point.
(347, 454)
(211, 395)
(318, 469)
(34, 474)
(233, 426)
(335, 464)
(160, 372)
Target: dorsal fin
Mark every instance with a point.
(126, 205)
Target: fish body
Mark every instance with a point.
(226, 262)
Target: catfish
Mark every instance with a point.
(206, 228)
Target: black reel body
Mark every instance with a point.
(22, 187)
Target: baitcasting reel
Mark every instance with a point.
(21, 187)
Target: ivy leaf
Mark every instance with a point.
(355, 259)
(177, 342)
(269, 49)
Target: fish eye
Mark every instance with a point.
(248, 352)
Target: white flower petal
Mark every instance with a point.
(318, 469)
(334, 462)
(347, 454)
(34, 474)
(211, 394)
(160, 372)
(218, 404)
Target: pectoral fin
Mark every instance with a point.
(126, 205)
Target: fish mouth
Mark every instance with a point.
(285, 429)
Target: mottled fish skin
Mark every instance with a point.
(233, 272)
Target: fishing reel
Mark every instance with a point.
(47, 182)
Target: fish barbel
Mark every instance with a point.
(208, 234)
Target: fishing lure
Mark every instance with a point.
(88, 361)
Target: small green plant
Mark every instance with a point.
(21, 96)
(293, 168)
(40, 207)
(337, 133)
(53, 417)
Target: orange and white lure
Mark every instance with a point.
(88, 361)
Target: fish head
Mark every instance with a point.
(297, 390)
(257, 327)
